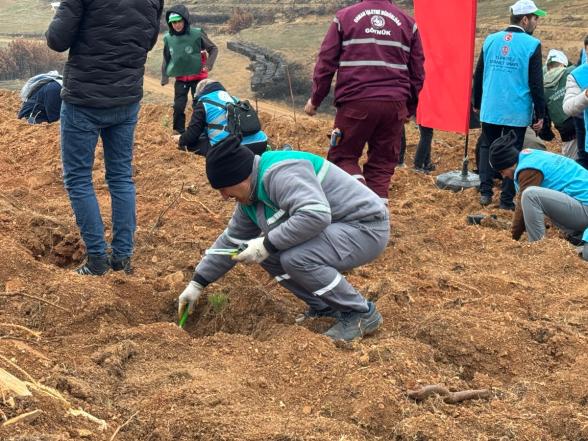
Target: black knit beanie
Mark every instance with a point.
(228, 163)
(503, 152)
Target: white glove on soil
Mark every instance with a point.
(189, 297)
(254, 253)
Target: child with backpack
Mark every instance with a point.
(188, 55)
(217, 115)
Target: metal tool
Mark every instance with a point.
(336, 136)
(222, 251)
(459, 180)
(226, 251)
(476, 219)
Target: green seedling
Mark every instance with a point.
(218, 301)
(182, 321)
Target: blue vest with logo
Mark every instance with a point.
(559, 174)
(217, 116)
(580, 74)
(506, 98)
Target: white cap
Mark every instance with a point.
(555, 56)
(524, 7)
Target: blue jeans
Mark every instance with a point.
(80, 128)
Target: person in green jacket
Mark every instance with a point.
(188, 55)
(554, 84)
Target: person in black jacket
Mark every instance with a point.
(108, 41)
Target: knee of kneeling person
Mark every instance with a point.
(530, 194)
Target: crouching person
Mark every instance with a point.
(548, 185)
(210, 120)
(304, 220)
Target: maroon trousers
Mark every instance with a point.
(379, 124)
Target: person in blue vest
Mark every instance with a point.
(41, 98)
(210, 119)
(508, 87)
(548, 185)
(188, 55)
(305, 221)
(576, 104)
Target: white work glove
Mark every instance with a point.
(189, 297)
(254, 253)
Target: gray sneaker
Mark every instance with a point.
(354, 324)
(315, 313)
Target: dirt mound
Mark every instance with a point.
(464, 306)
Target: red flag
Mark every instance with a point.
(447, 30)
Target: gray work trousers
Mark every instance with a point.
(311, 270)
(567, 213)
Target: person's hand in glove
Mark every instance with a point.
(189, 297)
(254, 253)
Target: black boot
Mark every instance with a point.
(123, 264)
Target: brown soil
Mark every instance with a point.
(463, 305)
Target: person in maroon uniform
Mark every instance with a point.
(376, 51)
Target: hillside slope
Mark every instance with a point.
(463, 305)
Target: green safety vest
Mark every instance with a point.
(272, 213)
(554, 97)
(185, 57)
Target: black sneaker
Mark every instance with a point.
(485, 200)
(506, 206)
(430, 167)
(314, 313)
(575, 239)
(354, 324)
(123, 264)
(94, 266)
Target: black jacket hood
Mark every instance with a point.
(180, 10)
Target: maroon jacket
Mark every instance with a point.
(376, 50)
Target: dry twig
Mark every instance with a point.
(17, 367)
(23, 328)
(212, 213)
(449, 397)
(165, 210)
(30, 296)
(123, 425)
